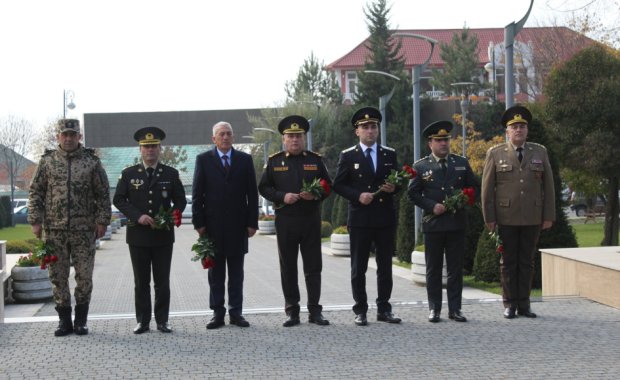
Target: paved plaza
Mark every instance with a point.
(573, 337)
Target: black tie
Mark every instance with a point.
(369, 159)
(226, 164)
(520, 155)
(149, 172)
(444, 168)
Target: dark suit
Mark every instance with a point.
(443, 234)
(298, 225)
(368, 224)
(135, 196)
(518, 197)
(226, 203)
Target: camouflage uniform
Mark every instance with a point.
(69, 195)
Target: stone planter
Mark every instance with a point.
(108, 234)
(340, 245)
(266, 227)
(418, 269)
(116, 225)
(30, 284)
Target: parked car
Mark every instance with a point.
(187, 213)
(581, 204)
(116, 213)
(17, 203)
(20, 215)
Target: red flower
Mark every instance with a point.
(325, 186)
(470, 193)
(500, 249)
(177, 216)
(43, 266)
(410, 170)
(54, 258)
(207, 263)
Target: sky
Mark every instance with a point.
(154, 55)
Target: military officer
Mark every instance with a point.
(362, 170)
(298, 216)
(69, 208)
(440, 175)
(518, 198)
(143, 190)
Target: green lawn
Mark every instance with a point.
(19, 232)
(588, 235)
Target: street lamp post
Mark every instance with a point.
(417, 73)
(383, 101)
(510, 31)
(268, 130)
(464, 109)
(67, 102)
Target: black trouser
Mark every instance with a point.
(217, 280)
(294, 234)
(517, 263)
(361, 240)
(142, 260)
(452, 244)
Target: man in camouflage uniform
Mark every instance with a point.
(70, 208)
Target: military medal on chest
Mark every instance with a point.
(136, 182)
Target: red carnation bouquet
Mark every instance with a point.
(455, 202)
(44, 254)
(166, 218)
(318, 187)
(499, 246)
(398, 178)
(204, 250)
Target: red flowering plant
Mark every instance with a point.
(318, 187)
(455, 202)
(204, 250)
(166, 218)
(44, 254)
(398, 178)
(499, 246)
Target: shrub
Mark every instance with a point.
(405, 234)
(20, 246)
(340, 210)
(327, 207)
(267, 217)
(342, 230)
(326, 229)
(475, 228)
(486, 262)
(6, 211)
(28, 261)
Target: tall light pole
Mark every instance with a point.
(383, 101)
(67, 102)
(510, 31)
(417, 72)
(270, 131)
(464, 109)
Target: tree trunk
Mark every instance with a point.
(611, 214)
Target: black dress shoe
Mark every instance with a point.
(527, 313)
(164, 327)
(433, 316)
(318, 319)
(388, 317)
(291, 320)
(239, 321)
(141, 328)
(215, 323)
(509, 313)
(457, 316)
(361, 320)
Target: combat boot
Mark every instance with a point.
(81, 315)
(65, 327)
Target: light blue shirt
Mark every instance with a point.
(227, 155)
(373, 153)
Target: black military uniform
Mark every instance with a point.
(444, 233)
(369, 225)
(298, 225)
(138, 193)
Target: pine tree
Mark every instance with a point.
(461, 62)
(314, 84)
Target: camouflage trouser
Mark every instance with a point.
(79, 247)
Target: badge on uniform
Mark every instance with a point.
(164, 194)
(427, 175)
(356, 166)
(137, 182)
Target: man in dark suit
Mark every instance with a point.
(142, 191)
(225, 208)
(518, 198)
(439, 176)
(298, 217)
(362, 171)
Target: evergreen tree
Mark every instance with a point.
(460, 62)
(405, 242)
(314, 84)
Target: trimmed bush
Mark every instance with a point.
(475, 228)
(486, 263)
(340, 211)
(405, 233)
(326, 229)
(6, 218)
(342, 230)
(20, 246)
(327, 207)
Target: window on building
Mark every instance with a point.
(351, 85)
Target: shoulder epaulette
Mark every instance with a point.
(313, 153)
(421, 159)
(457, 155)
(496, 147)
(275, 154)
(388, 148)
(48, 152)
(536, 144)
(349, 149)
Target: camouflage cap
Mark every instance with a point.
(65, 125)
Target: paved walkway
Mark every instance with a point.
(572, 337)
